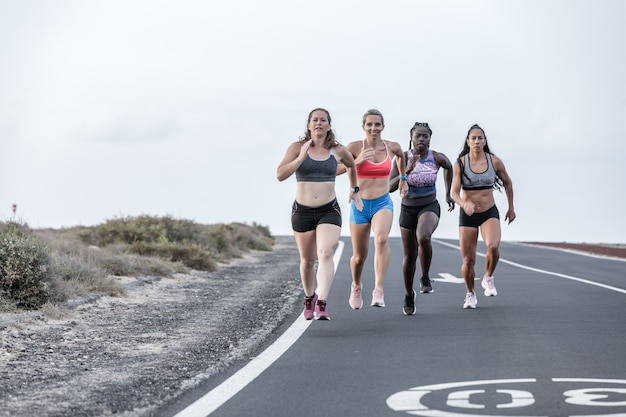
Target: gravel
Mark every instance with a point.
(127, 356)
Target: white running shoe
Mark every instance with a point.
(356, 297)
(489, 285)
(378, 297)
(470, 300)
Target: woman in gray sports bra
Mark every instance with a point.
(477, 172)
(315, 214)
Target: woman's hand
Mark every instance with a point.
(403, 187)
(510, 215)
(356, 197)
(468, 207)
(367, 154)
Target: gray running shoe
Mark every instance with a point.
(409, 304)
(425, 285)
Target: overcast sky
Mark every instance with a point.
(185, 108)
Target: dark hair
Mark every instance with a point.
(374, 112)
(330, 141)
(498, 182)
(415, 126)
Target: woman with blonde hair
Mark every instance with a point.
(373, 157)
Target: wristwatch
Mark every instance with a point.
(355, 189)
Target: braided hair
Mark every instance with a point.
(415, 126)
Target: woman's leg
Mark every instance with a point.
(409, 261)
(426, 226)
(360, 236)
(307, 248)
(468, 238)
(381, 226)
(327, 239)
(491, 234)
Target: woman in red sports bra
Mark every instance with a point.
(372, 156)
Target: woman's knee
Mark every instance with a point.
(493, 249)
(423, 240)
(324, 254)
(307, 262)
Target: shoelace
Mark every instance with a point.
(308, 303)
(321, 306)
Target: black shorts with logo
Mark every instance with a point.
(306, 218)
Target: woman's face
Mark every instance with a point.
(476, 140)
(373, 125)
(420, 138)
(319, 124)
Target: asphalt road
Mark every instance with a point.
(551, 343)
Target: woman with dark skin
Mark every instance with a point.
(478, 172)
(420, 210)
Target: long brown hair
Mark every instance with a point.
(330, 141)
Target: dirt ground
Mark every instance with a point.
(126, 356)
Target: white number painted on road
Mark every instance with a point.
(595, 398)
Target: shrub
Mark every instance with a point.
(26, 268)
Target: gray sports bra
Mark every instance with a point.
(471, 180)
(314, 170)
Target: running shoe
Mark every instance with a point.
(409, 304)
(488, 283)
(356, 298)
(321, 313)
(470, 300)
(425, 285)
(309, 307)
(378, 298)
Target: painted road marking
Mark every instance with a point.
(214, 399)
(596, 398)
(449, 278)
(543, 271)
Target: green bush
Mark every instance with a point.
(26, 269)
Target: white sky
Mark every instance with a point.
(185, 108)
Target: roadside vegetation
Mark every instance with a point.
(40, 267)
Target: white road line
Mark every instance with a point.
(542, 271)
(212, 400)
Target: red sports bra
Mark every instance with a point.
(369, 169)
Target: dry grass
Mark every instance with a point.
(84, 260)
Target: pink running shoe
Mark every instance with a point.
(378, 298)
(321, 313)
(356, 298)
(309, 307)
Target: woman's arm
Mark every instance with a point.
(294, 156)
(396, 149)
(347, 160)
(498, 165)
(443, 161)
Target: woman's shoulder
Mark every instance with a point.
(393, 145)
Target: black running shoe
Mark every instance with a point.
(409, 304)
(425, 285)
